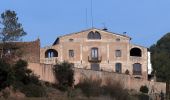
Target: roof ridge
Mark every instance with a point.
(92, 29)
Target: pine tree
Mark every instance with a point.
(11, 29)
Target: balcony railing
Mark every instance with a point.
(52, 60)
(133, 58)
(94, 59)
(137, 73)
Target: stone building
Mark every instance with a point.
(29, 51)
(98, 49)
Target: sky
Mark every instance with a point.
(145, 21)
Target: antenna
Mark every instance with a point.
(86, 19)
(91, 14)
(104, 27)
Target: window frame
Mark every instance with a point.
(118, 67)
(118, 53)
(94, 52)
(71, 53)
(137, 69)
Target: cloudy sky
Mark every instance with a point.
(143, 20)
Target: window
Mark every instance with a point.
(97, 35)
(94, 53)
(94, 35)
(71, 40)
(71, 53)
(91, 35)
(137, 70)
(117, 39)
(135, 52)
(51, 53)
(95, 66)
(118, 53)
(118, 67)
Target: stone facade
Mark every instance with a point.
(45, 73)
(29, 51)
(98, 50)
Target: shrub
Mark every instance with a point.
(6, 75)
(90, 87)
(33, 90)
(143, 97)
(93, 87)
(144, 89)
(64, 73)
(115, 90)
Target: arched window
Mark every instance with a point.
(93, 35)
(136, 52)
(97, 35)
(137, 69)
(118, 67)
(51, 53)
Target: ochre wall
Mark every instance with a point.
(106, 46)
(46, 74)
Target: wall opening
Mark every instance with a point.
(94, 53)
(51, 53)
(118, 67)
(94, 35)
(137, 69)
(136, 52)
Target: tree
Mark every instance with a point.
(160, 54)
(144, 89)
(23, 74)
(11, 30)
(6, 75)
(64, 74)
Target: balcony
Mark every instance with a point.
(134, 58)
(52, 60)
(94, 60)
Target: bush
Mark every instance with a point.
(90, 87)
(115, 90)
(143, 97)
(64, 74)
(93, 87)
(33, 90)
(144, 89)
(6, 75)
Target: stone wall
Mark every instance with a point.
(31, 51)
(44, 71)
(106, 50)
(126, 80)
(46, 74)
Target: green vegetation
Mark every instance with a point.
(94, 88)
(10, 31)
(160, 58)
(64, 74)
(144, 89)
(20, 78)
(90, 87)
(6, 74)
